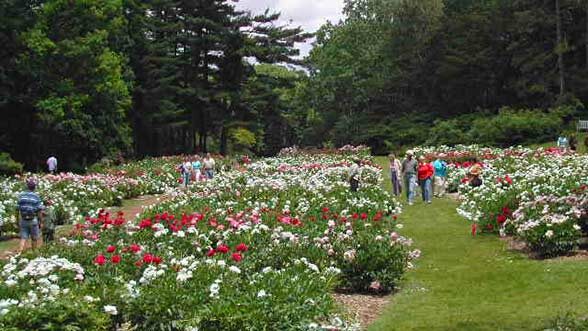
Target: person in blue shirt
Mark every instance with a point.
(562, 142)
(30, 207)
(440, 167)
(197, 168)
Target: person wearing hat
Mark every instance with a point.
(354, 171)
(440, 180)
(475, 172)
(409, 174)
(29, 207)
(425, 175)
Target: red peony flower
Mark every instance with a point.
(241, 248)
(501, 219)
(237, 257)
(211, 252)
(222, 249)
(325, 209)
(139, 263)
(157, 259)
(100, 259)
(135, 248)
(364, 216)
(355, 216)
(111, 249)
(146, 223)
(147, 258)
(115, 259)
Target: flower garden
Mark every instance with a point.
(538, 196)
(262, 247)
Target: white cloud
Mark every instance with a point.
(309, 14)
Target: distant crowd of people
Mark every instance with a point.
(411, 173)
(196, 169)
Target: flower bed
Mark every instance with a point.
(539, 196)
(260, 248)
(75, 196)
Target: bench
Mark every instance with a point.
(582, 125)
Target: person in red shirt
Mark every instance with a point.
(425, 174)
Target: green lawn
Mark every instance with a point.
(8, 245)
(474, 283)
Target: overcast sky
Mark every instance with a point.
(309, 14)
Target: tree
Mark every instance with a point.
(79, 96)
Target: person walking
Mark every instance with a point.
(425, 175)
(187, 172)
(209, 166)
(49, 222)
(440, 180)
(395, 174)
(409, 173)
(29, 207)
(52, 165)
(354, 172)
(196, 168)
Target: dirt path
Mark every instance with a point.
(130, 208)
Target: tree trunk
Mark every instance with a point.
(223, 140)
(559, 50)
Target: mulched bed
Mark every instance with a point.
(364, 308)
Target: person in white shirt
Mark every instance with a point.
(52, 164)
(187, 172)
(208, 165)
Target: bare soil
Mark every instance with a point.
(364, 308)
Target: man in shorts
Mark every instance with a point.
(30, 207)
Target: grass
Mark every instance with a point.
(8, 245)
(474, 283)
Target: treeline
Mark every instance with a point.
(405, 72)
(87, 79)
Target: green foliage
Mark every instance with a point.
(514, 127)
(444, 61)
(59, 315)
(567, 322)
(8, 166)
(243, 139)
(508, 127)
(377, 267)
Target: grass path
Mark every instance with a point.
(474, 283)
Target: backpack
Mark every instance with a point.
(27, 211)
(27, 214)
(440, 166)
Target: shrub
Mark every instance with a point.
(518, 127)
(62, 314)
(8, 166)
(376, 267)
(447, 133)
